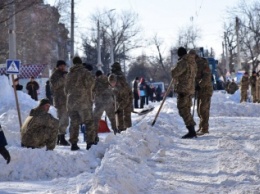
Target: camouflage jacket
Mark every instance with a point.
(34, 126)
(57, 84)
(203, 77)
(101, 90)
(78, 88)
(232, 88)
(253, 81)
(124, 96)
(184, 74)
(244, 83)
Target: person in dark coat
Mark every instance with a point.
(135, 91)
(3, 151)
(158, 93)
(32, 87)
(17, 85)
(147, 93)
(48, 92)
(142, 92)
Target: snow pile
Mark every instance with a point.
(143, 159)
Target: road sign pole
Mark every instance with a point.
(12, 49)
(17, 103)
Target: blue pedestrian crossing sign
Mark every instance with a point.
(13, 66)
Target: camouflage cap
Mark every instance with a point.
(116, 67)
(112, 78)
(192, 52)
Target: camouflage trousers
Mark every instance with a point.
(63, 119)
(82, 117)
(100, 107)
(243, 96)
(253, 93)
(203, 109)
(124, 118)
(42, 136)
(184, 103)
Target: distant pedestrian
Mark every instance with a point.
(135, 91)
(142, 92)
(17, 85)
(32, 86)
(158, 93)
(147, 92)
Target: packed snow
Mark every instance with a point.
(143, 159)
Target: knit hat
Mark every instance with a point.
(192, 52)
(44, 101)
(181, 51)
(112, 78)
(116, 67)
(253, 72)
(60, 62)
(77, 60)
(98, 73)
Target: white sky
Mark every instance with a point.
(165, 17)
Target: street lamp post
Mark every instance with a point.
(99, 63)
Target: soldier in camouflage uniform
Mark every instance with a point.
(40, 128)
(124, 105)
(257, 90)
(103, 99)
(232, 87)
(78, 88)
(253, 85)
(57, 83)
(244, 87)
(184, 74)
(204, 90)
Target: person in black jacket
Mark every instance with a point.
(17, 85)
(32, 87)
(3, 151)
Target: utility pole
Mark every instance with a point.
(238, 45)
(12, 48)
(99, 64)
(226, 48)
(72, 31)
(124, 59)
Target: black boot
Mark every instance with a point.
(190, 134)
(63, 141)
(89, 145)
(58, 140)
(96, 140)
(74, 147)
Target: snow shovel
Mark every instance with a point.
(195, 98)
(164, 98)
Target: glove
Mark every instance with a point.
(4, 152)
(197, 88)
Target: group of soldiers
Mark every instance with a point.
(254, 82)
(192, 77)
(83, 98)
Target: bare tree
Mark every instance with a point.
(188, 36)
(249, 30)
(122, 29)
